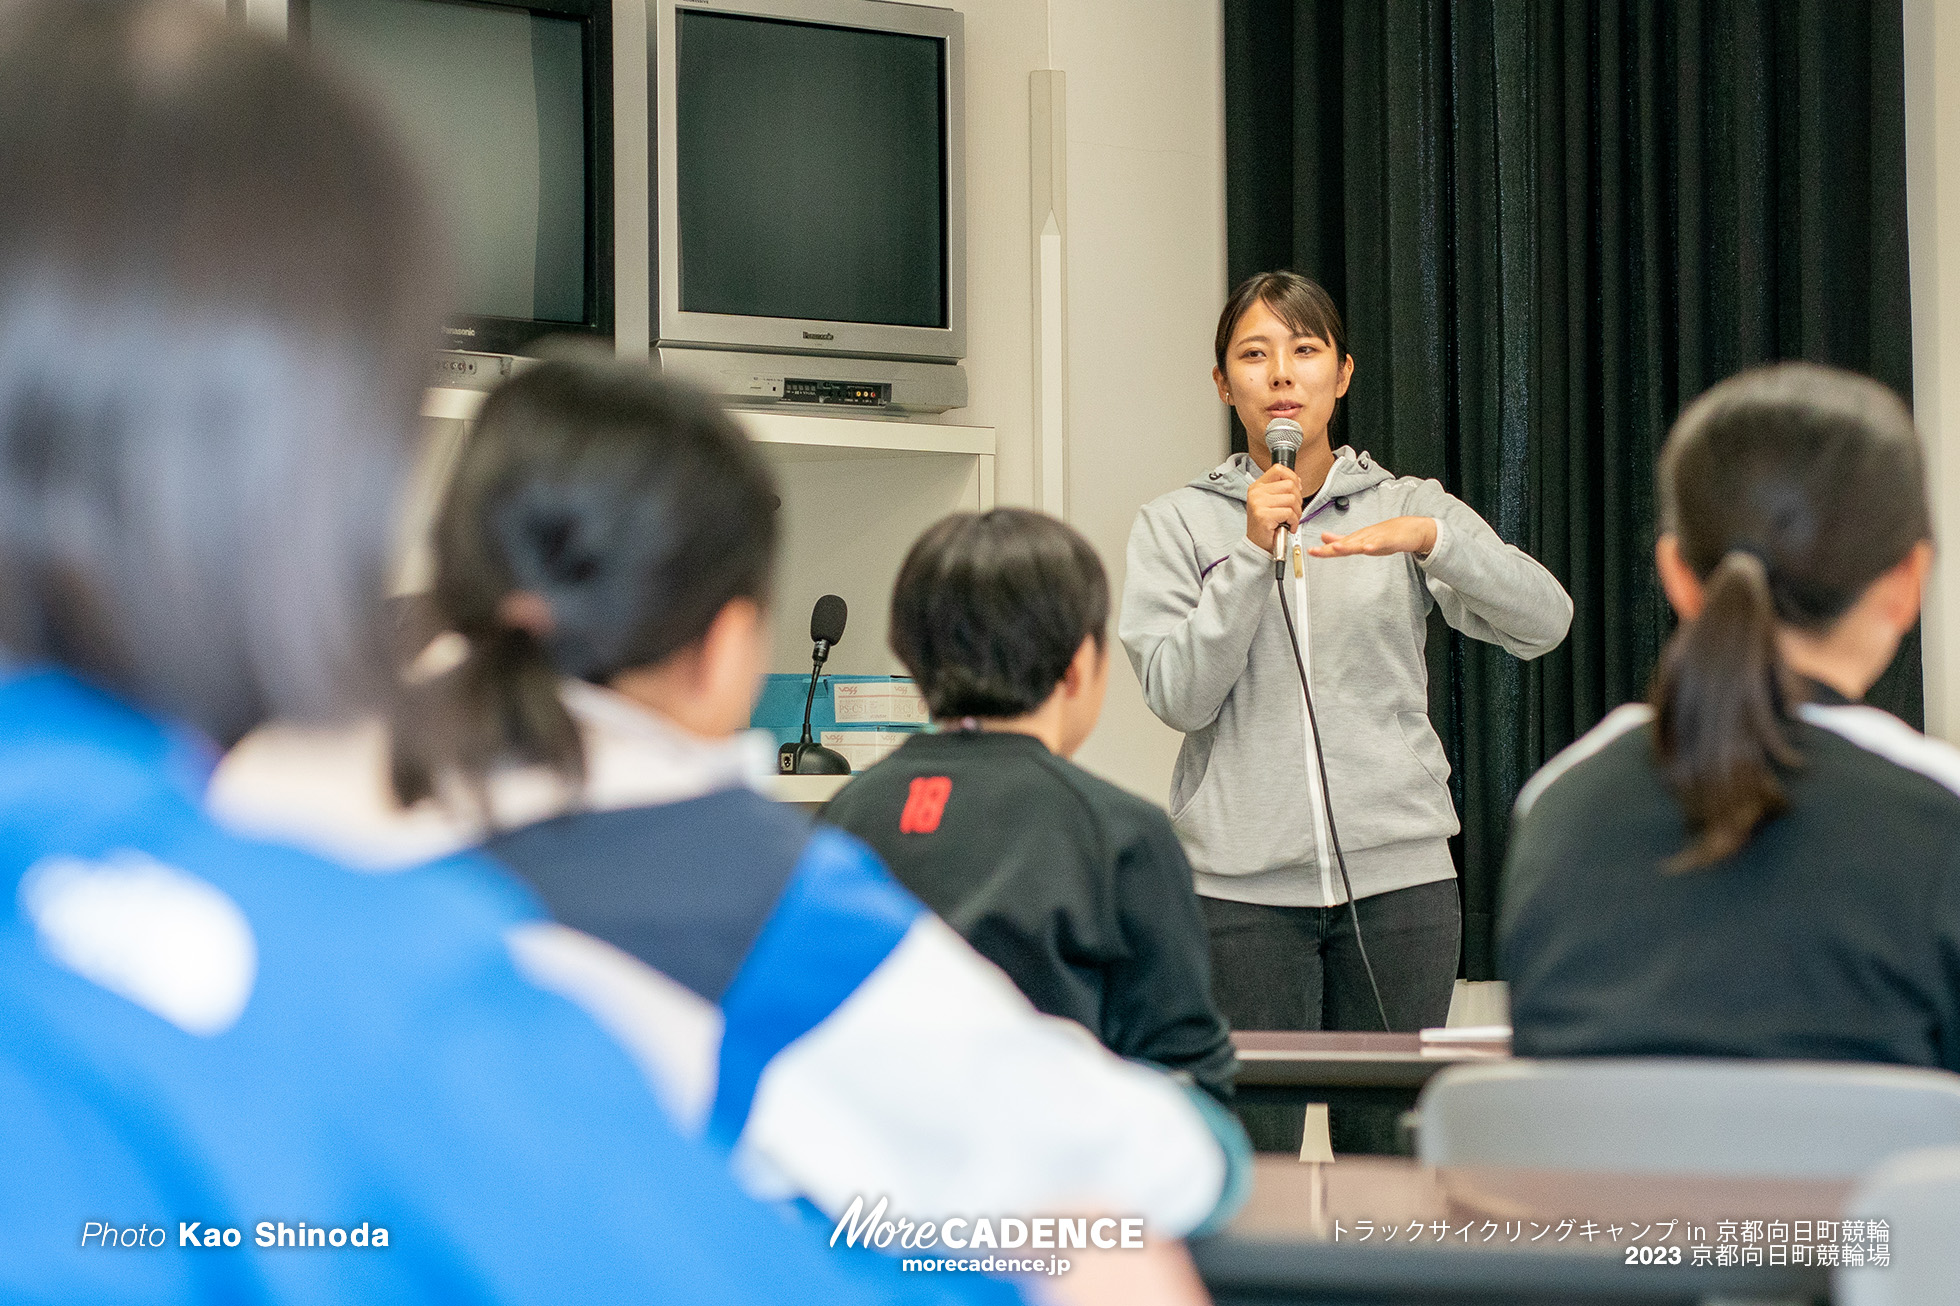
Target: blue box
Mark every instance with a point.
(780, 708)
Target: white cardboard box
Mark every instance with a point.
(864, 749)
(878, 702)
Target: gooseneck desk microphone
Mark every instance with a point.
(806, 757)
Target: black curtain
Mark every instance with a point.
(1550, 226)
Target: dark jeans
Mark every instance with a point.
(1298, 968)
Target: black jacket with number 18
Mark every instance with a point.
(1078, 890)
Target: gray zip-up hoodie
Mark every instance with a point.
(1202, 623)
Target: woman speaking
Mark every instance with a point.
(1283, 828)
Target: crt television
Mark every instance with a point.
(509, 106)
(809, 198)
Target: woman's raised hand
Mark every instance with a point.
(1273, 501)
(1415, 535)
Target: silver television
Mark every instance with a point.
(808, 236)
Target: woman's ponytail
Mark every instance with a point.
(1788, 490)
(499, 704)
(1721, 701)
(625, 512)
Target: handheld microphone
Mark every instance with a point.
(1283, 440)
(807, 757)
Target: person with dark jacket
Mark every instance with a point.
(1078, 890)
(1755, 864)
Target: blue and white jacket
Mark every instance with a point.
(803, 1010)
(200, 1033)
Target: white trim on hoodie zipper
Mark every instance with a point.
(1323, 850)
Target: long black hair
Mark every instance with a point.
(217, 284)
(1789, 490)
(633, 506)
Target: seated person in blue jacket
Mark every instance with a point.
(232, 1072)
(1756, 864)
(602, 563)
(1078, 890)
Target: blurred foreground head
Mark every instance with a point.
(215, 297)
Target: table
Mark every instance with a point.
(809, 792)
(1299, 1236)
(1292, 1067)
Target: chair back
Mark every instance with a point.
(1912, 1203)
(1794, 1119)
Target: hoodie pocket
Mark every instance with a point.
(1420, 739)
(1193, 768)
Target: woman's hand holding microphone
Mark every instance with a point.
(1272, 501)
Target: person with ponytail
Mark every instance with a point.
(1754, 863)
(603, 566)
(215, 307)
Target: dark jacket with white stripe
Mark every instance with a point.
(1834, 934)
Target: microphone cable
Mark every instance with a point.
(1326, 795)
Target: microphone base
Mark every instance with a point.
(811, 759)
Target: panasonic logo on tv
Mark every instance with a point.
(459, 331)
(819, 335)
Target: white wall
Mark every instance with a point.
(1005, 40)
(1146, 271)
(1932, 44)
(1146, 170)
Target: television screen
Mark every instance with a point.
(811, 171)
(492, 99)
